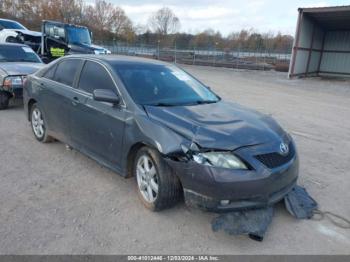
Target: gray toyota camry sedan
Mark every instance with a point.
(153, 121)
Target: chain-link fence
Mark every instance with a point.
(235, 58)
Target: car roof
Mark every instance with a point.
(13, 44)
(62, 23)
(120, 59)
(3, 19)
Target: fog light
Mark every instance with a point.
(224, 202)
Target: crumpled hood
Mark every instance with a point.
(28, 32)
(15, 68)
(222, 126)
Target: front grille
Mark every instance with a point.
(273, 160)
(18, 92)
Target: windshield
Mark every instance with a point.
(78, 35)
(11, 25)
(162, 85)
(10, 53)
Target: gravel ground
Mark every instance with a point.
(57, 201)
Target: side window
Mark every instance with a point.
(48, 29)
(94, 76)
(50, 73)
(55, 31)
(66, 71)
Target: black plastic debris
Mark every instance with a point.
(253, 223)
(300, 204)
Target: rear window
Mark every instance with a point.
(16, 53)
(66, 71)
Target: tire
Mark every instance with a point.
(4, 100)
(169, 187)
(37, 120)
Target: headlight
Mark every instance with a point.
(22, 38)
(220, 159)
(12, 81)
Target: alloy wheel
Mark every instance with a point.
(38, 123)
(147, 179)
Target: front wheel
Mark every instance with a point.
(158, 187)
(4, 100)
(38, 125)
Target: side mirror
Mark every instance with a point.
(106, 95)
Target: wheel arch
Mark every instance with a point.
(5, 33)
(131, 157)
(8, 34)
(31, 102)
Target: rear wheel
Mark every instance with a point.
(4, 100)
(38, 125)
(158, 187)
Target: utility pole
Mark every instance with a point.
(175, 51)
(215, 47)
(158, 49)
(194, 55)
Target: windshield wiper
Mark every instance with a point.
(24, 60)
(198, 102)
(202, 102)
(161, 104)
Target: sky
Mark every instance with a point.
(226, 15)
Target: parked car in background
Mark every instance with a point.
(14, 32)
(16, 62)
(154, 121)
(56, 39)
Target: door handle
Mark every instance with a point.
(41, 86)
(75, 101)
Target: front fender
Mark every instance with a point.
(5, 33)
(139, 129)
(155, 134)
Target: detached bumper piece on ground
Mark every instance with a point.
(255, 222)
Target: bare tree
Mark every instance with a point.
(164, 21)
(122, 24)
(100, 16)
(105, 18)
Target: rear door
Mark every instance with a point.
(56, 96)
(97, 126)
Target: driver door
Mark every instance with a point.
(97, 127)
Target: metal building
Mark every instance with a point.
(322, 42)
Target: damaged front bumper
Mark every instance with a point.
(219, 189)
(14, 91)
